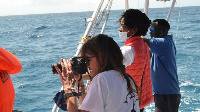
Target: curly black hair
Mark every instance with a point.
(163, 23)
(134, 18)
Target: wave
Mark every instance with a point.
(41, 28)
(36, 36)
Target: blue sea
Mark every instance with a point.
(42, 39)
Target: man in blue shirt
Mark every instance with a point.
(163, 67)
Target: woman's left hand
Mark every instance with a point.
(66, 75)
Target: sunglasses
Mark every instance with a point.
(152, 29)
(88, 59)
(60, 98)
(156, 29)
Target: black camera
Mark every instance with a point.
(79, 66)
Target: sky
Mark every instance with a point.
(23, 7)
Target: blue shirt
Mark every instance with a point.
(163, 66)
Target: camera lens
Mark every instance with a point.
(54, 71)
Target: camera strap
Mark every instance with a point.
(89, 76)
(79, 81)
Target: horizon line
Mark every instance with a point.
(83, 11)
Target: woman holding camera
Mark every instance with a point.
(111, 89)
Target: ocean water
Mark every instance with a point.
(40, 40)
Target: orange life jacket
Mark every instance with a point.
(9, 64)
(7, 92)
(139, 70)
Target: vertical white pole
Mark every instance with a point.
(55, 108)
(170, 12)
(108, 11)
(93, 18)
(146, 7)
(126, 5)
(90, 25)
(100, 18)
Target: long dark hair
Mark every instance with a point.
(109, 56)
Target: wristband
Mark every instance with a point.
(69, 88)
(66, 95)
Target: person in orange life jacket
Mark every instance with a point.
(9, 64)
(134, 25)
(163, 67)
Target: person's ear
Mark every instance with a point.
(134, 31)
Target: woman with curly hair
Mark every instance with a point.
(134, 25)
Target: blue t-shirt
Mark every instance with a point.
(163, 66)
